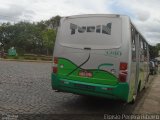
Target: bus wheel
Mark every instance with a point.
(139, 87)
(135, 95)
(134, 99)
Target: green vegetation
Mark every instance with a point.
(29, 38)
(30, 57)
(36, 38)
(154, 51)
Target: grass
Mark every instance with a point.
(30, 57)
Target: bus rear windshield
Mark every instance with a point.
(92, 32)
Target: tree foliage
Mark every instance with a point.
(154, 51)
(48, 39)
(37, 38)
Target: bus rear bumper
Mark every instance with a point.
(119, 91)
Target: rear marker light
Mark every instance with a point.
(55, 60)
(122, 77)
(55, 69)
(55, 65)
(123, 72)
(61, 66)
(110, 89)
(64, 82)
(107, 88)
(123, 66)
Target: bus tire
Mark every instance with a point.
(139, 87)
(135, 96)
(133, 100)
(152, 73)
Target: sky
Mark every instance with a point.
(145, 14)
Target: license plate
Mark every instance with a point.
(86, 87)
(85, 74)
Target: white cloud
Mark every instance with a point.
(14, 10)
(144, 13)
(44, 9)
(47, 8)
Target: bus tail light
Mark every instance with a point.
(123, 66)
(55, 65)
(123, 72)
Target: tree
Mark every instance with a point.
(26, 37)
(154, 50)
(53, 23)
(48, 40)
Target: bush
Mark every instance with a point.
(46, 59)
(30, 58)
(11, 57)
(34, 58)
(15, 57)
(5, 57)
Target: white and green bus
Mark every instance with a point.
(100, 55)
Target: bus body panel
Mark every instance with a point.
(90, 53)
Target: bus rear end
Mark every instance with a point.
(88, 57)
